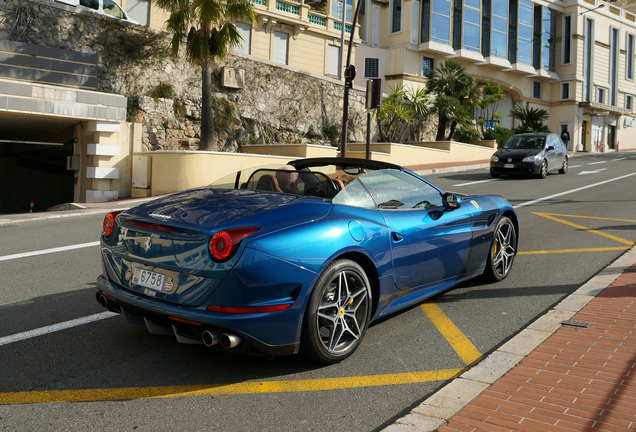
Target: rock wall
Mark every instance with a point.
(274, 105)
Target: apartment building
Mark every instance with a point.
(574, 59)
(306, 35)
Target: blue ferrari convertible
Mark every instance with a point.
(298, 257)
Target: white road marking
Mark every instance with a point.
(48, 251)
(55, 327)
(527, 203)
(600, 170)
(576, 166)
(476, 182)
(596, 163)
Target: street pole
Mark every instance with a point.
(350, 74)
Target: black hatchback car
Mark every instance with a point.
(530, 154)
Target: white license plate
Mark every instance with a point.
(148, 279)
(509, 165)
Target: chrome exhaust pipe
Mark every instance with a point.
(209, 338)
(102, 300)
(229, 341)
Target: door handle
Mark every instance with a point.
(397, 237)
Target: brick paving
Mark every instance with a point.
(580, 379)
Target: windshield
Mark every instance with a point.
(352, 185)
(525, 142)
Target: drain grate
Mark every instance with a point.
(579, 324)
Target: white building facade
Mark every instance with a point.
(574, 59)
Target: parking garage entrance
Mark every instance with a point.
(34, 158)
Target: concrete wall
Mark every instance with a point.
(173, 171)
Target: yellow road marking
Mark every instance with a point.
(91, 395)
(460, 343)
(605, 249)
(587, 217)
(609, 236)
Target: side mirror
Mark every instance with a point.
(451, 201)
(550, 148)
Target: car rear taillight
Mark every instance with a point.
(223, 244)
(109, 222)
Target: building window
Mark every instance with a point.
(600, 95)
(281, 45)
(587, 65)
(629, 57)
(471, 25)
(499, 29)
(536, 90)
(333, 60)
(371, 67)
(613, 66)
(567, 39)
(565, 90)
(629, 102)
(427, 66)
(548, 36)
(438, 12)
(336, 10)
(396, 16)
(245, 31)
(524, 32)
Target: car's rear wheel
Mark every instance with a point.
(564, 168)
(338, 313)
(494, 174)
(502, 250)
(543, 171)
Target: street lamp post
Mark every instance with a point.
(350, 74)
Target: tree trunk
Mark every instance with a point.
(441, 129)
(207, 113)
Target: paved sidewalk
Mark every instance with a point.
(574, 369)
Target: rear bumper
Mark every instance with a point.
(273, 333)
(515, 168)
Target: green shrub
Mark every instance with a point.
(501, 134)
(467, 135)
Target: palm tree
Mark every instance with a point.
(531, 118)
(456, 93)
(206, 28)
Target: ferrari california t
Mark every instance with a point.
(299, 257)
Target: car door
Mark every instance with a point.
(554, 155)
(429, 244)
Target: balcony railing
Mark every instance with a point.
(317, 13)
(288, 7)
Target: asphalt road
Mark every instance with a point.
(65, 365)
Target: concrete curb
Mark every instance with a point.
(435, 411)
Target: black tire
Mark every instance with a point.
(543, 171)
(564, 168)
(494, 174)
(502, 251)
(337, 314)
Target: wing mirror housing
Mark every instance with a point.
(451, 201)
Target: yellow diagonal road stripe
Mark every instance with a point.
(91, 395)
(460, 343)
(587, 217)
(604, 249)
(609, 236)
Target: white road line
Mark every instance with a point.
(48, 251)
(475, 182)
(576, 166)
(527, 203)
(596, 163)
(55, 327)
